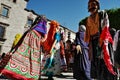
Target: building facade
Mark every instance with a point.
(15, 18)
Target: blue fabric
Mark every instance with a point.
(82, 64)
(57, 36)
(41, 27)
(80, 39)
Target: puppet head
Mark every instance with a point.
(93, 5)
(41, 18)
(41, 25)
(54, 24)
(82, 28)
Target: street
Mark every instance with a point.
(67, 76)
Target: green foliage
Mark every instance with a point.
(114, 18)
(82, 22)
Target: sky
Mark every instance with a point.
(67, 12)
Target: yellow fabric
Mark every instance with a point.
(17, 38)
(92, 26)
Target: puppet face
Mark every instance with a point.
(93, 7)
(82, 28)
(57, 29)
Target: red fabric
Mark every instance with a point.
(50, 36)
(14, 75)
(105, 37)
(62, 52)
(107, 60)
(50, 40)
(29, 43)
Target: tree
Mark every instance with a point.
(114, 18)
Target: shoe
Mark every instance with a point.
(50, 78)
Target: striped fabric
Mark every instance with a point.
(24, 64)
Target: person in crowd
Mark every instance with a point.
(116, 47)
(68, 52)
(112, 32)
(23, 61)
(82, 64)
(62, 53)
(70, 62)
(73, 45)
(100, 42)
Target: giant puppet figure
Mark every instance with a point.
(81, 67)
(52, 64)
(23, 61)
(100, 42)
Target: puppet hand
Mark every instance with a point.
(44, 38)
(78, 48)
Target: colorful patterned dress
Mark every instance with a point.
(23, 62)
(100, 46)
(52, 63)
(82, 64)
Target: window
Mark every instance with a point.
(5, 10)
(29, 22)
(2, 31)
(14, 1)
(69, 34)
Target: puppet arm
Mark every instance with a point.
(53, 45)
(44, 38)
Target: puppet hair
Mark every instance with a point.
(50, 36)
